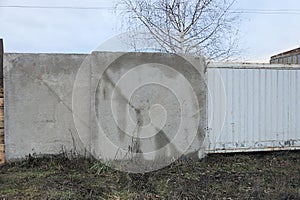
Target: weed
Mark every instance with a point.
(100, 167)
(222, 176)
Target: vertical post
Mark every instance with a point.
(1, 61)
(2, 145)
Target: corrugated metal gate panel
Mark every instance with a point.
(253, 109)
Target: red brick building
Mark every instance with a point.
(288, 57)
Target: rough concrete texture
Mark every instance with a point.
(128, 107)
(38, 104)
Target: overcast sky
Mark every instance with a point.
(267, 27)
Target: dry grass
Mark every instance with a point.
(233, 176)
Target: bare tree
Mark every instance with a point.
(198, 27)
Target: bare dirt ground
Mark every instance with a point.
(273, 175)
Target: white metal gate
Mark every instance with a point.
(253, 107)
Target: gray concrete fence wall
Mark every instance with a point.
(108, 105)
(38, 108)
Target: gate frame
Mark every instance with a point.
(2, 135)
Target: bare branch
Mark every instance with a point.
(200, 27)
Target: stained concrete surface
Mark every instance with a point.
(120, 106)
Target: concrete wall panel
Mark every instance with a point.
(112, 105)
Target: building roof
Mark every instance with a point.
(287, 53)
